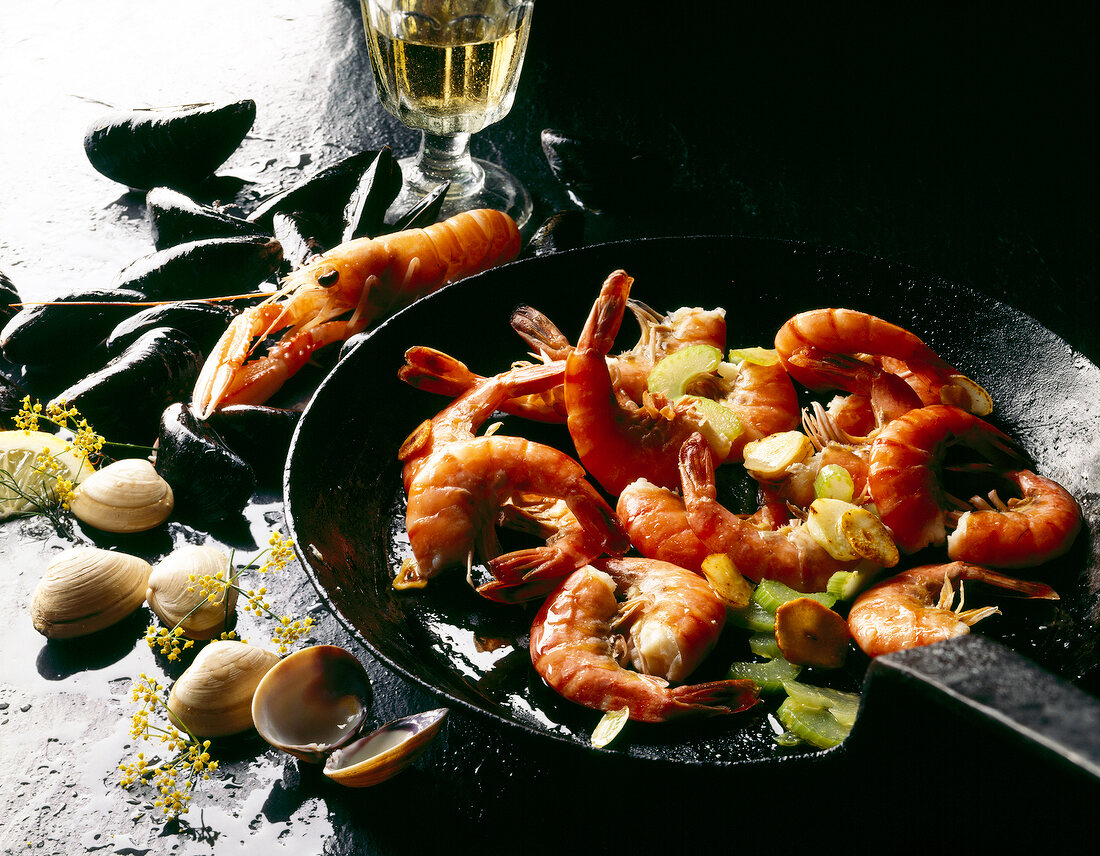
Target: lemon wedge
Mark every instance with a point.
(18, 458)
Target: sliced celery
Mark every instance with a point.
(845, 585)
(815, 725)
(672, 374)
(769, 676)
(718, 417)
(834, 482)
(760, 356)
(753, 617)
(843, 706)
(772, 594)
(764, 645)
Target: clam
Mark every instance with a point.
(126, 496)
(313, 702)
(177, 601)
(86, 589)
(384, 752)
(213, 698)
(314, 706)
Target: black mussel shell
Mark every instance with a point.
(11, 400)
(8, 296)
(214, 267)
(365, 213)
(176, 218)
(425, 212)
(295, 230)
(171, 147)
(604, 174)
(210, 482)
(563, 230)
(203, 322)
(63, 329)
(261, 435)
(324, 196)
(123, 401)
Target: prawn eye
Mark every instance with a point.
(328, 277)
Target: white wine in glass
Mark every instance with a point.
(449, 68)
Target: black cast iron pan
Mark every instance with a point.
(344, 499)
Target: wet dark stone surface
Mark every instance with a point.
(957, 138)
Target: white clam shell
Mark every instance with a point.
(385, 752)
(314, 701)
(213, 697)
(86, 589)
(168, 594)
(126, 496)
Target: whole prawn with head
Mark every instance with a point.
(667, 622)
(458, 483)
(338, 294)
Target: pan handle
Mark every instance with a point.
(973, 702)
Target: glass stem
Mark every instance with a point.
(447, 158)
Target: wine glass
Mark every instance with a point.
(449, 68)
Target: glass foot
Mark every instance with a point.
(485, 185)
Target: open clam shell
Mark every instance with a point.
(213, 698)
(384, 752)
(312, 702)
(179, 601)
(86, 589)
(126, 496)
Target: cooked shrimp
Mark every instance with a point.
(342, 291)
(1022, 532)
(434, 371)
(902, 612)
(657, 523)
(660, 335)
(862, 354)
(617, 440)
(457, 485)
(906, 458)
(788, 554)
(577, 651)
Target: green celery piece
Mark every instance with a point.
(815, 725)
(720, 417)
(672, 374)
(770, 676)
(845, 585)
(753, 617)
(843, 706)
(772, 594)
(834, 482)
(764, 645)
(760, 356)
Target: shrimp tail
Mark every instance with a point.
(715, 697)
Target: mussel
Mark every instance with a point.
(56, 331)
(365, 212)
(212, 267)
(204, 322)
(324, 197)
(211, 482)
(604, 174)
(260, 435)
(8, 297)
(563, 230)
(175, 218)
(86, 589)
(123, 400)
(313, 705)
(125, 496)
(174, 597)
(213, 698)
(296, 231)
(172, 146)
